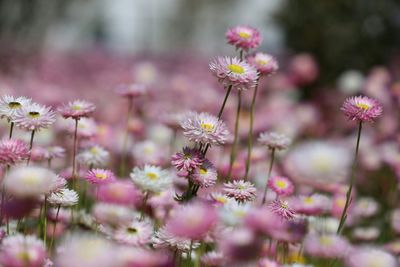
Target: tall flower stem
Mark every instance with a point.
(11, 129)
(30, 147)
(145, 198)
(235, 139)
(352, 178)
(122, 167)
(250, 140)
(271, 163)
(45, 221)
(54, 229)
(74, 151)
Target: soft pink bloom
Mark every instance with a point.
(77, 109)
(13, 151)
(282, 209)
(131, 90)
(362, 108)
(264, 63)
(240, 190)
(112, 214)
(37, 154)
(206, 175)
(119, 192)
(268, 263)
(303, 69)
(263, 220)
(54, 152)
(370, 257)
(34, 117)
(137, 233)
(281, 185)
(326, 246)
(274, 140)
(234, 72)
(141, 257)
(99, 176)
(213, 259)
(315, 204)
(243, 37)
(165, 239)
(188, 159)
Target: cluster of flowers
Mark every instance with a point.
(195, 209)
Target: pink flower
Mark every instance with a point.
(243, 37)
(315, 204)
(99, 176)
(274, 140)
(281, 185)
(326, 246)
(234, 72)
(34, 117)
(268, 263)
(263, 220)
(206, 175)
(131, 90)
(77, 109)
(282, 209)
(165, 239)
(135, 234)
(187, 160)
(119, 192)
(264, 63)
(369, 256)
(13, 151)
(362, 108)
(213, 259)
(240, 190)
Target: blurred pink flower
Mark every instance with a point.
(362, 108)
(77, 109)
(240, 190)
(243, 37)
(13, 151)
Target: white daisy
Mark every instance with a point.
(9, 105)
(151, 178)
(64, 197)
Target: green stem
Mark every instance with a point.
(11, 130)
(269, 175)
(352, 178)
(146, 196)
(236, 136)
(45, 221)
(124, 154)
(74, 151)
(30, 147)
(54, 229)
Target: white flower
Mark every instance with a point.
(233, 213)
(164, 239)
(64, 197)
(112, 214)
(148, 152)
(274, 140)
(151, 178)
(95, 156)
(9, 105)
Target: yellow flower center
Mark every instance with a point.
(207, 126)
(221, 199)
(203, 171)
(363, 106)
(76, 107)
(244, 35)
(34, 114)
(152, 176)
(101, 176)
(284, 205)
(325, 240)
(309, 200)
(235, 68)
(14, 105)
(261, 61)
(30, 180)
(281, 184)
(94, 151)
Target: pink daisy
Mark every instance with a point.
(54, 152)
(264, 63)
(282, 209)
(206, 175)
(234, 72)
(34, 117)
(370, 257)
(281, 185)
(99, 176)
(77, 109)
(135, 234)
(362, 108)
(240, 190)
(119, 192)
(274, 140)
(13, 151)
(243, 37)
(315, 204)
(187, 160)
(326, 246)
(165, 239)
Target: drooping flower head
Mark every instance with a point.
(234, 72)
(9, 105)
(205, 175)
(13, 151)
(281, 185)
(99, 176)
(282, 209)
(77, 109)
(187, 160)
(151, 178)
(264, 63)
(204, 128)
(362, 108)
(34, 117)
(243, 37)
(274, 140)
(240, 190)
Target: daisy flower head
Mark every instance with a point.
(77, 109)
(34, 117)
(131, 90)
(205, 175)
(151, 178)
(13, 151)
(119, 192)
(112, 214)
(282, 209)
(188, 160)
(370, 257)
(240, 190)
(315, 204)
(326, 246)
(274, 140)
(19, 250)
(100, 176)
(281, 185)
(54, 152)
(165, 239)
(95, 156)
(264, 63)
(362, 108)
(64, 197)
(9, 105)
(234, 72)
(137, 233)
(204, 128)
(243, 37)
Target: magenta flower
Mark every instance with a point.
(187, 160)
(34, 117)
(240, 190)
(362, 108)
(99, 176)
(77, 109)
(234, 72)
(243, 37)
(264, 63)
(282, 209)
(13, 151)
(206, 175)
(119, 192)
(281, 185)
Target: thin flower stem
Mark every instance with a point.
(74, 150)
(45, 221)
(30, 147)
(250, 140)
(146, 196)
(269, 175)
(122, 167)
(352, 178)
(54, 230)
(235, 139)
(11, 130)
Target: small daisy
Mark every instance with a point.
(281, 185)
(326, 246)
(315, 204)
(119, 192)
(282, 209)
(219, 198)
(95, 156)
(243, 37)
(234, 213)
(264, 63)
(99, 176)
(234, 72)
(135, 234)
(164, 239)
(112, 214)
(204, 128)
(77, 109)
(240, 190)
(274, 140)
(362, 108)
(188, 160)
(151, 178)
(206, 175)
(54, 152)
(9, 105)
(64, 197)
(13, 151)
(131, 90)
(34, 117)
